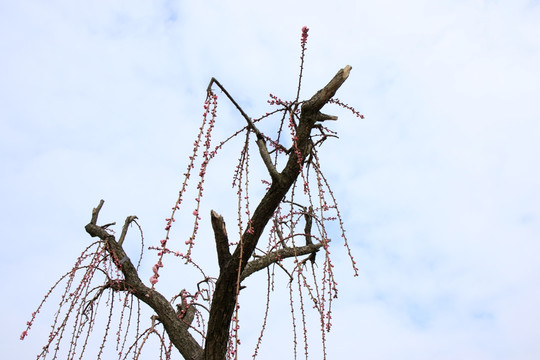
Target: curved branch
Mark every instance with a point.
(176, 329)
(261, 143)
(276, 256)
(223, 302)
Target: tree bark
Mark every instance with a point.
(224, 299)
(176, 330)
(233, 267)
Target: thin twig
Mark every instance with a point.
(261, 143)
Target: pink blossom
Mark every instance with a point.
(153, 279)
(304, 36)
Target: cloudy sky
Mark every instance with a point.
(439, 185)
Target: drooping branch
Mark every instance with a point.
(175, 327)
(225, 293)
(223, 302)
(261, 143)
(185, 311)
(308, 216)
(181, 319)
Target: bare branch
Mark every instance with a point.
(222, 241)
(324, 117)
(248, 119)
(322, 96)
(95, 212)
(223, 302)
(176, 329)
(265, 155)
(182, 320)
(261, 143)
(129, 219)
(276, 256)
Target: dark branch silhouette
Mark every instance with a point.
(203, 323)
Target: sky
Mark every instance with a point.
(438, 185)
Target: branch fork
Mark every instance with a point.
(231, 271)
(235, 266)
(176, 328)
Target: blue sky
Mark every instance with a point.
(439, 185)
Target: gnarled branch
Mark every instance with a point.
(176, 328)
(275, 256)
(223, 302)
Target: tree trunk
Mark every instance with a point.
(224, 300)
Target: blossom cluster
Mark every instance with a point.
(210, 106)
(303, 40)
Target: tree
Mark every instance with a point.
(203, 323)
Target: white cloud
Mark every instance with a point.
(439, 184)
